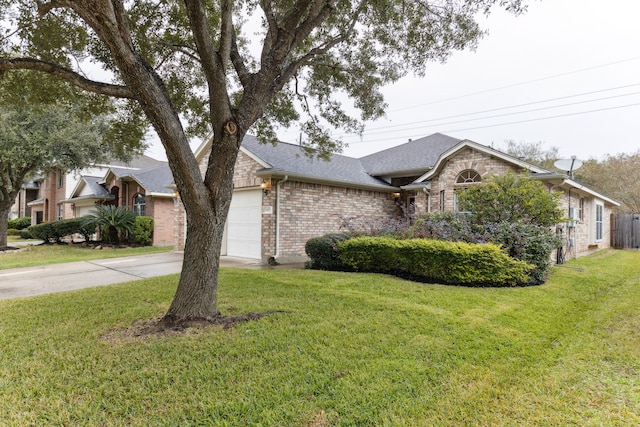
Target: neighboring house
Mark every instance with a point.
(27, 194)
(139, 185)
(282, 198)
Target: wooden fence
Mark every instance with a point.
(625, 231)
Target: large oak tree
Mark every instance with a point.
(229, 66)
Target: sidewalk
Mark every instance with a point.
(45, 279)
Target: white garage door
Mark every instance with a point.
(244, 225)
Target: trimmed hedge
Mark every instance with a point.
(453, 263)
(20, 223)
(56, 230)
(13, 232)
(323, 252)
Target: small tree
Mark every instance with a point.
(512, 198)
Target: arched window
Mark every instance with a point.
(468, 176)
(139, 204)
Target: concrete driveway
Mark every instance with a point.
(45, 279)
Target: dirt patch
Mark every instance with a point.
(143, 330)
(8, 249)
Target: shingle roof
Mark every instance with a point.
(153, 180)
(93, 182)
(290, 159)
(418, 155)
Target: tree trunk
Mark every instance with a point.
(4, 218)
(196, 299)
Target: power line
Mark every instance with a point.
(505, 114)
(396, 138)
(504, 108)
(519, 84)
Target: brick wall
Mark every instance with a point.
(309, 210)
(467, 158)
(162, 211)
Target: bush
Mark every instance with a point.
(527, 242)
(448, 226)
(455, 263)
(142, 230)
(114, 222)
(56, 230)
(13, 232)
(25, 234)
(20, 223)
(43, 231)
(323, 252)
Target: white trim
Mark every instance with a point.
(482, 148)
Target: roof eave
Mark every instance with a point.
(281, 174)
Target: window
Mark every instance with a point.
(581, 210)
(599, 212)
(60, 212)
(442, 201)
(60, 178)
(139, 205)
(468, 176)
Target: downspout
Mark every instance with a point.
(278, 187)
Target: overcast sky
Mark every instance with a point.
(559, 52)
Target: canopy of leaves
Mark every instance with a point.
(617, 177)
(304, 58)
(512, 198)
(34, 138)
(533, 152)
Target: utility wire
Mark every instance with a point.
(396, 138)
(504, 108)
(518, 84)
(506, 114)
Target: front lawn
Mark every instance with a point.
(55, 254)
(351, 349)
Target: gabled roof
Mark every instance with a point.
(290, 159)
(415, 156)
(155, 181)
(88, 187)
(425, 156)
(447, 154)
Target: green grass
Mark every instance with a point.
(56, 254)
(353, 349)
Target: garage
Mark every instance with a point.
(244, 225)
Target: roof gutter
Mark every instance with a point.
(312, 179)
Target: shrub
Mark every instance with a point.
(114, 222)
(450, 226)
(142, 230)
(13, 232)
(527, 242)
(43, 231)
(25, 234)
(56, 230)
(20, 223)
(455, 263)
(323, 252)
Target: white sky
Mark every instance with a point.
(558, 49)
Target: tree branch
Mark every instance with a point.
(227, 33)
(238, 63)
(116, 91)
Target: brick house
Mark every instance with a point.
(282, 198)
(140, 185)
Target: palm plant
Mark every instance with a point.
(114, 222)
